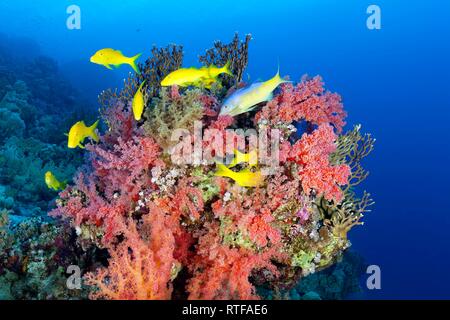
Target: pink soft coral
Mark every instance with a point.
(118, 176)
(307, 101)
(125, 166)
(312, 153)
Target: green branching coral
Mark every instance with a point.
(165, 114)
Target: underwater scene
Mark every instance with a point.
(224, 150)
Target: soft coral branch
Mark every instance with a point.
(140, 266)
(312, 154)
(306, 101)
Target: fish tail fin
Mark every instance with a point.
(226, 68)
(133, 63)
(93, 133)
(222, 170)
(141, 85)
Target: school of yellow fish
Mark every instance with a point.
(239, 102)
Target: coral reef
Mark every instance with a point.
(175, 230)
(34, 256)
(32, 125)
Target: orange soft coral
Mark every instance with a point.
(140, 267)
(222, 272)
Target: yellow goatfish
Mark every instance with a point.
(79, 132)
(244, 178)
(194, 76)
(251, 158)
(110, 57)
(138, 103)
(214, 71)
(246, 99)
(52, 182)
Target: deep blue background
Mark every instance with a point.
(394, 81)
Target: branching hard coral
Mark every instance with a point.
(352, 148)
(235, 52)
(141, 265)
(340, 218)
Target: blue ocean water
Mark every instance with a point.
(395, 82)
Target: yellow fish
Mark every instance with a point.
(79, 132)
(52, 182)
(194, 76)
(138, 103)
(244, 178)
(246, 99)
(214, 71)
(110, 57)
(251, 158)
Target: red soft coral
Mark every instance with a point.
(312, 153)
(307, 101)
